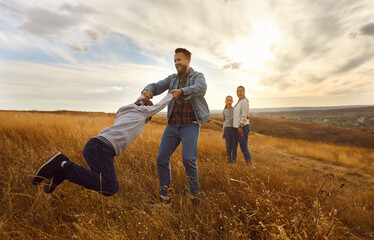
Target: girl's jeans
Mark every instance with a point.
(231, 138)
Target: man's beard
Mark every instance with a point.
(182, 70)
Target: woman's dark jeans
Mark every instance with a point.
(243, 142)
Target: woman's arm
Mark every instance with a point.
(223, 125)
(244, 110)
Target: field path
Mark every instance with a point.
(353, 177)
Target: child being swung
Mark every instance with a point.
(229, 133)
(99, 151)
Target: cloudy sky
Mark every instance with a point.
(98, 55)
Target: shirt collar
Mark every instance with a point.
(186, 74)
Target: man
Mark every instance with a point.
(185, 113)
(99, 151)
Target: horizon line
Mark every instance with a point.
(265, 108)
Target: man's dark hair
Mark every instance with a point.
(184, 51)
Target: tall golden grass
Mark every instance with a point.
(277, 200)
(329, 152)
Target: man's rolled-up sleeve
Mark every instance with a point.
(159, 87)
(197, 89)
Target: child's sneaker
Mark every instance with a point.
(51, 184)
(51, 168)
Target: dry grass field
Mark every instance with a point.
(361, 118)
(302, 187)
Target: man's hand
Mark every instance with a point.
(148, 94)
(176, 93)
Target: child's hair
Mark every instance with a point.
(225, 100)
(144, 101)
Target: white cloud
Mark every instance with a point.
(78, 47)
(29, 25)
(53, 24)
(51, 87)
(92, 34)
(10, 7)
(106, 90)
(320, 47)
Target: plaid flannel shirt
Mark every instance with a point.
(183, 112)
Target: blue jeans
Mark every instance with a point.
(102, 176)
(171, 138)
(243, 142)
(231, 138)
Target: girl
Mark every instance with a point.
(241, 122)
(229, 133)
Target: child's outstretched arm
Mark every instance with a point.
(152, 110)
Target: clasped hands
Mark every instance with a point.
(176, 93)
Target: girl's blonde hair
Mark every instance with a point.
(225, 100)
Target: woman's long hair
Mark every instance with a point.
(242, 98)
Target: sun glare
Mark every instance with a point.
(252, 51)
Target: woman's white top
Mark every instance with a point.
(241, 111)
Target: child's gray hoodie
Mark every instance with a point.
(130, 122)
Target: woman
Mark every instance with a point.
(241, 122)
